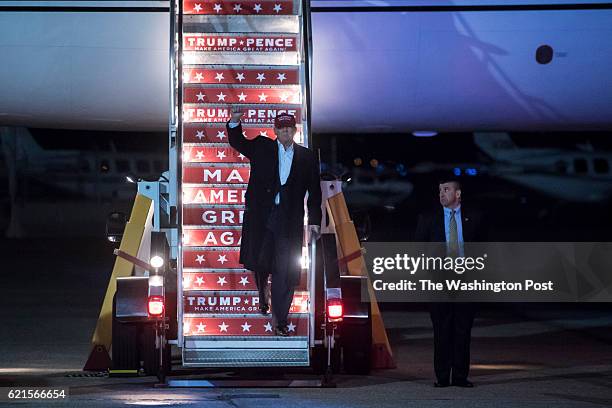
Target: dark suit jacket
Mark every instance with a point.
(430, 226)
(264, 183)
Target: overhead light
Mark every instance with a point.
(424, 133)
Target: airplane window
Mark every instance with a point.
(123, 166)
(601, 166)
(104, 166)
(580, 166)
(142, 166)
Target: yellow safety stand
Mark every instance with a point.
(130, 243)
(382, 356)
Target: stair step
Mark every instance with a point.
(216, 132)
(253, 114)
(254, 94)
(242, 342)
(218, 217)
(242, 325)
(214, 154)
(241, 23)
(246, 357)
(241, 75)
(241, 58)
(197, 303)
(216, 7)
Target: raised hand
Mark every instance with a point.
(236, 114)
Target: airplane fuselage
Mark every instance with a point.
(432, 65)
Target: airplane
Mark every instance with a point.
(386, 66)
(368, 189)
(572, 175)
(100, 175)
(577, 175)
(109, 174)
(402, 67)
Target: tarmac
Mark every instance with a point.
(523, 355)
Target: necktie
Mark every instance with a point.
(453, 241)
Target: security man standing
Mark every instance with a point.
(452, 321)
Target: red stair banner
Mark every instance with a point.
(213, 195)
(203, 258)
(216, 175)
(241, 76)
(230, 280)
(216, 133)
(235, 95)
(205, 154)
(241, 43)
(241, 326)
(248, 7)
(235, 303)
(231, 217)
(212, 238)
(256, 116)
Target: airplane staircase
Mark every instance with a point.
(255, 54)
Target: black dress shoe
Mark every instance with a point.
(441, 384)
(282, 331)
(264, 309)
(463, 383)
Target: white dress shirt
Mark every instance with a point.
(285, 158)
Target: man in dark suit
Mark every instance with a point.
(452, 322)
(282, 172)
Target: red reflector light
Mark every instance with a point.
(156, 306)
(334, 309)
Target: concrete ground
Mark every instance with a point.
(523, 355)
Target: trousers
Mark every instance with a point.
(452, 324)
(275, 254)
